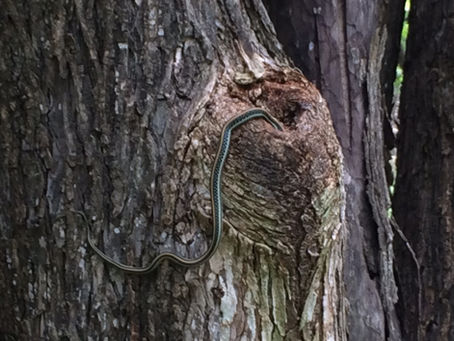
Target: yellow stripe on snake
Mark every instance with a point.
(216, 200)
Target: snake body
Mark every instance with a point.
(216, 200)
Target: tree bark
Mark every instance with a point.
(423, 202)
(350, 49)
(115, 109)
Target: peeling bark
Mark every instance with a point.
(349, 49)
(115, 110)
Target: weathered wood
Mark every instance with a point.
(115, 109)
(423, 201)
(349, 50)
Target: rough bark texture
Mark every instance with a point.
(424, 201)
(114, 109)
(350, 49)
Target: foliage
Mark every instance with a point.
(403, 45)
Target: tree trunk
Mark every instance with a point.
(115, 109)
(423, 202)
(350, 49)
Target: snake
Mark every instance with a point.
(216, 200)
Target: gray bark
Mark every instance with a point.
(423, 202)
(115, 109)
(350, 49)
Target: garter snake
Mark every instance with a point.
(216, 200)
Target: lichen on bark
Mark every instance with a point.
(115, 110)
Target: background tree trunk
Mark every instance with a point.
(350, 49)
(423, 202)
(115, 109)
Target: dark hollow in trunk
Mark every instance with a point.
(115, 109)
(349, 49)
